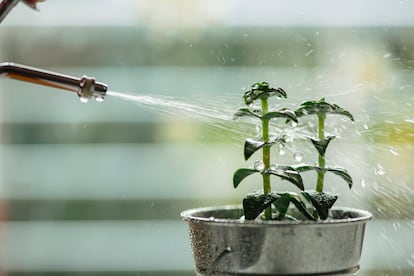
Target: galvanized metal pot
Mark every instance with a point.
(225, 245)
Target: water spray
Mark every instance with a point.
(85, 87)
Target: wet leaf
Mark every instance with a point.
(338, 171)
(339, 110)
(342, 173)
(251, 145)
(262, 90)
(246, 112)
(322, 202)
(287, 173)
(282, 113)
(255, 203)
(322, 144)
(282, 204)
(241, 174)
(304, 168)
(316, 107)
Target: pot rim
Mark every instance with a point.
(190, 215)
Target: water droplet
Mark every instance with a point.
(293, 124)
(363, 185)
(394, 151)
(298, 156)
(99, 99)
(379, 170)
(259, 165)
(365, 126)
(396, 226)
(282, 149)
(309, 52)
(387, 55)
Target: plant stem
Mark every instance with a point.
(321, 158)
(266, 157)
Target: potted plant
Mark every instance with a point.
(280, 232)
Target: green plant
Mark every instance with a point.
(312, 204)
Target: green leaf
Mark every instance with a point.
(256, 113)
(262, 90)
(340, 111)
(322, 144)
(342, 173)
(322, 202)
(251, 145)
(338, 171)
(282, 113)
(255, 203)
(316, 107)
(282, 204)
(241, 174)
(304, 168)
(246, 112)
(286, 173)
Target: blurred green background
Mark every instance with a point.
(97, 188)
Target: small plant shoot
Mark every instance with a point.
(274, 205)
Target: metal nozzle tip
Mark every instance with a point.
(91, 89)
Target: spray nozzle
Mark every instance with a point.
(88, 88)
(85, 87)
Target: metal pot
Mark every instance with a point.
(223, 244)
